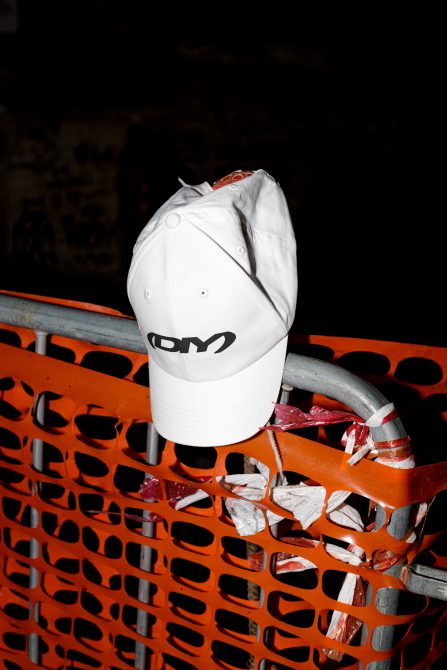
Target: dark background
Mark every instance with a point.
(103, 104)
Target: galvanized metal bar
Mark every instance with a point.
(144, 595)
(37, 459)
(80, 324)
(254, 592)
(311, 374)
(426, 581)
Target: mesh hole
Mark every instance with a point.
(90, 539)
(232, 621)
(6, 384)
(173, 663)
(253, 556)
(306, 579)
(131, 585)
(128, 479)
(203, 458)
(51, 454)
(113, 547)
(233, 656)
(399, 394)
(9, 440)
(290, 609)
(9, 411)
(63, 625)
(124, 643)
(15, 641)
(90, 603)
(136, 436)
(113, 364)
(16, 611)
(241, 589)
(97, 427)
(12, 509)
(418, 650)
(10, 476)
(58, 352)
(89, 465)
(333, 581)
(191, 534)
(9, 337)
(91, 572)
(141, 377)
(12, 666)
(335, 432)
(365, 362)
(408, 603)
(187, 635)
(192, 571)
(286, 645)
(187, 603)
(52, 419)
(421, 371)
(66, 597)
(69, 532)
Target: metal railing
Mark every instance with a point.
(301, 372)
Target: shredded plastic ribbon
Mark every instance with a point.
(306, 501)
(179, 495)
(342, 626)
(309, 501)
(247, 517)
(290, 417)
(396, 453)
(234, 176)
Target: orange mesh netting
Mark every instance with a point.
(215, 598)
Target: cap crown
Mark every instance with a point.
(213, 279)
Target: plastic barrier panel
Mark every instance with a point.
(111, 562)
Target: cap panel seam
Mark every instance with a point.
(252, 282)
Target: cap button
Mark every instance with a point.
(173, 220)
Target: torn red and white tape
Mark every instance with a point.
(357, 439)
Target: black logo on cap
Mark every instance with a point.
(182, 345)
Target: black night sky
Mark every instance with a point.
(349, 122)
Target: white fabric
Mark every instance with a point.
(213, 285)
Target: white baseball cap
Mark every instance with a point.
(213, 285)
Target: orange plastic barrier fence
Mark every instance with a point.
(216, 599)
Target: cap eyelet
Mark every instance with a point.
(147, 294)
(203, 292)
(173, 220)
(241, 251)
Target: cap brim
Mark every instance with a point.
(218, 412)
